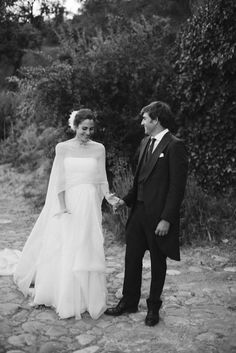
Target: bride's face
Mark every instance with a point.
(85, 130)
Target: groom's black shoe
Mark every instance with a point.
(152, 317)
(121, 308)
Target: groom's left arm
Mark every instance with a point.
(130, 198)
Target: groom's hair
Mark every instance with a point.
(161, 111)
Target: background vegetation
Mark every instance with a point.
(115, 57)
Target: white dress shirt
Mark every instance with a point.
(158, 137)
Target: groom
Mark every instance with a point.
(155, 200)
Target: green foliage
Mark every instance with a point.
(207, 217)
(122, 182)
(54, 94)
(35, 125)
(95, 13)
(29, 37)
(9, 47)
(4, 9)
(15, 38)
(47, 94)
(21, 29)
(8, 103)
(118, 72)
(114, 73)
(115, 66)
(204, 93)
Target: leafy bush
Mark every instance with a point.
(47, 93)
(206, 217)
(29, 37)
(204, 93)
(8, 104)
(118, 72)
(114, 74)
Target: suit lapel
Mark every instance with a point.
(156, 154)
(142, 149)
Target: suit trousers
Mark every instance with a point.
(139, 238)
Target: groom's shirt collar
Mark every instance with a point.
(158, 137)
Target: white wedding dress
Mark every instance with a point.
(64, 254)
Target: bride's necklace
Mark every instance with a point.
(83, 143)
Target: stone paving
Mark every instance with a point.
(198, 313)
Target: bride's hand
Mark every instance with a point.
(118, 205)
(62, 211)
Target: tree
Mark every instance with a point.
(25, 10)
(8, 34)
(95, 13)
(204, 93)
(31, 10)
(22, 28)
(117, 72)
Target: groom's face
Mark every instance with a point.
(148, 124)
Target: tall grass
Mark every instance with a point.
(207, 217)
(122, 182)
(8, 105)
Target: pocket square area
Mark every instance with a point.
(161, 155)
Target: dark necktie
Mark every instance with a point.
(149, 149)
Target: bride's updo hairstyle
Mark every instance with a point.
(78, 116)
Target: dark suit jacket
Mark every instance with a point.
(164, 179)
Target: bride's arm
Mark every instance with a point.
(111, 198)
(60, 181)
(62, 202)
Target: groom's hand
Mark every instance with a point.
(120, 203)
(162, 228)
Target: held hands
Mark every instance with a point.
(162, 228)
(118, 205)
(114, 201)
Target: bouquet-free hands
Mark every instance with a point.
(114, 201)
(65, 210)
(118, 205)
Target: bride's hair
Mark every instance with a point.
(77, 116)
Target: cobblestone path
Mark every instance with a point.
(198, 313)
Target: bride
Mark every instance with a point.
(63, 257)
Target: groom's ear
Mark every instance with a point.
(155, 121)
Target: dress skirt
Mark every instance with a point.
(69, 271)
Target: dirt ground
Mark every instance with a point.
(199, 299)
